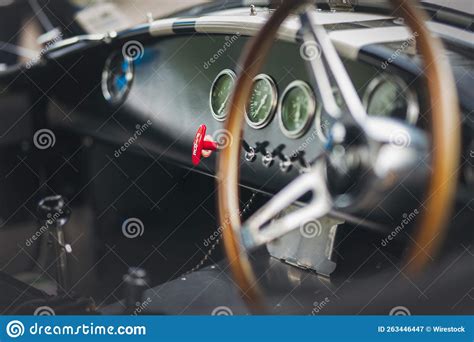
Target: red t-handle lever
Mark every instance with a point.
(200, 144)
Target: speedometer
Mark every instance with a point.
(221, 90)
(117, 78)
(390, 96)
(263, 101)
(297, 108)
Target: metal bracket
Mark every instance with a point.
(311, 247)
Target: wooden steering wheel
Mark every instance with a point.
(444, 141)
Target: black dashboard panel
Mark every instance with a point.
(172, 86)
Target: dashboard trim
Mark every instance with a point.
(348, 42)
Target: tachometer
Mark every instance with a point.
(389, 96)
(297, 108)
(221, 91)
(263, 101)
(117, 78)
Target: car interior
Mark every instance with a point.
(289, 157)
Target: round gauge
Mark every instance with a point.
(391, 97)
(221, 91)
(324, 121)
(297, 108)
(263, 101)
(117, 78)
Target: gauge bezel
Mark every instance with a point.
(106, 74)
(413, 107)
(230, 73)
(311, 109)
(269, 117)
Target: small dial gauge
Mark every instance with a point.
(297, 108)
(263, 101)
(117, 78)
(221, 91)
(391, 97)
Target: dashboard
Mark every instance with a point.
(181, 83)
(160, 82)
(128, 107)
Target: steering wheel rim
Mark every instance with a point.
(445, 142)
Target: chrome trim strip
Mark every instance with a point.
(224, 25)
(446, 31)
(163, 27)
(250, 25)
(349, 42)
(74, 40)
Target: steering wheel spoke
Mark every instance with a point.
(315, 36)
(262, 227)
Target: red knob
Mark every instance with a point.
(202, 144)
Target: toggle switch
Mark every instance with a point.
(267, 159)
(202, 146)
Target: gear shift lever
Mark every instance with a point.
(136, 282)
(53, 214)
